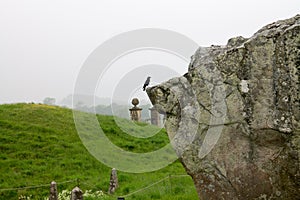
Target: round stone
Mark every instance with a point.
(135, 101)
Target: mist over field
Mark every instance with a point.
(45, 43)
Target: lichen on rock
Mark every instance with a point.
(234, 117)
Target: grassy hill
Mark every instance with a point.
(39, 143)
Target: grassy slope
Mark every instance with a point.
(39, 143)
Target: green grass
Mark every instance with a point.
(39, 143)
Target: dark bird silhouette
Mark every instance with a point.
(146, 83)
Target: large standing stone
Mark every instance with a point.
(234, 118)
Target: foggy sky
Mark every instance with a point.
(43, 44)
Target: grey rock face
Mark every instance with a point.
(234, 118)
(76, 194)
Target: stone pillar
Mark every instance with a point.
(135, 112)
(113, 184)
(53, 191)
(155, 116)
(77, 194)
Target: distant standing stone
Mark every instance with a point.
(155, 116)
(113, 184)
(53, 191)
(77, 194)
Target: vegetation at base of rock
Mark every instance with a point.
(39, 143)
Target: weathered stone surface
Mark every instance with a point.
(234, 118)
(76, 194)
(113, 184)
(53, 191)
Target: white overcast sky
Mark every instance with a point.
(43, 44)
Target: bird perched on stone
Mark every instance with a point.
(146, 83)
